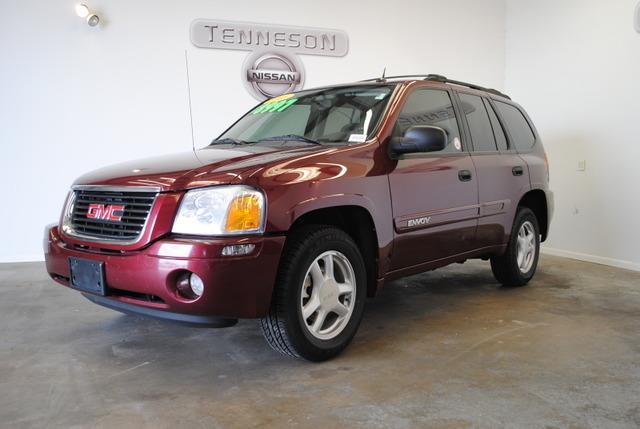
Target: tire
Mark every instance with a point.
(508, 269)
(303, 282)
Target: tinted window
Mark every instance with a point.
(430, 107)
(479, 125)
(498, 132)
(517, 125)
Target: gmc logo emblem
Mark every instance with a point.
(110, 212)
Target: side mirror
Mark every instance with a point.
(418, 139)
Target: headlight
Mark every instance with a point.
(67, 212)
(221, 210)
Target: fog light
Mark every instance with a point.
(238, 249)
(190, 286)
(197, 286)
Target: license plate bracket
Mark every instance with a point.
(87, 275)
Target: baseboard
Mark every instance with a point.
(618, 263)
(21, 258)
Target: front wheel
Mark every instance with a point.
(518, 263)
(319, 296)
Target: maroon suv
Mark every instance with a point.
(309, 203)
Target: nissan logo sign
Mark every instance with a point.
(273, 67)
(272, 73)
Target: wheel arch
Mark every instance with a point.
(536, 201)
(357, 221)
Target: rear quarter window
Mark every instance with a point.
(498, 132)
(518, 127)
(479, 123)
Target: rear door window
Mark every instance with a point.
(519, 129)
(479, 124)
(498, 132)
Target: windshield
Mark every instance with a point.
(342, 114)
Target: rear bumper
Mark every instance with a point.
(143, 281)
(550, 211)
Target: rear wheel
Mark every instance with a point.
(319, 296)
(518, 263)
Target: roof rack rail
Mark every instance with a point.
(383, 78)
(444, 79)
(440, 78)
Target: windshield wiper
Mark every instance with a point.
(229, 140)
(286, 137)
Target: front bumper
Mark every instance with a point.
(187, 319)
(143, 281)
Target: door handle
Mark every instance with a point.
(464, 175)
(517, 170)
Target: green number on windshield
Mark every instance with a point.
(274, 105)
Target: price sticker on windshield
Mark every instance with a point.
(357, 138)
(277, 104)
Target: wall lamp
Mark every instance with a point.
(83, 11)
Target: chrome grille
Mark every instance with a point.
(132, 219)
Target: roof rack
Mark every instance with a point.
(442, 79)
(383, 78)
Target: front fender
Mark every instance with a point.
(349, 202)
(286, 207)
(330, 201)
(347, 176)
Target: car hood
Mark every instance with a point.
(212, 165)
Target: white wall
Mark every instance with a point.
(74, 98)
(575, 66)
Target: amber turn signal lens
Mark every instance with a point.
(245, 214)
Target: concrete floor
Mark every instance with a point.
(443, 349)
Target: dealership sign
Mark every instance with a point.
(273, 67)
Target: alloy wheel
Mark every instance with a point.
(328, 295)
(526, 247)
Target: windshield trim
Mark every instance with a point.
(383, 115)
